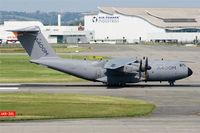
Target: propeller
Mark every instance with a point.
(144, 68)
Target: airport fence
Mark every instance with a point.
(16, 45)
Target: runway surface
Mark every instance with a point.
(178, 109)
(127, 125)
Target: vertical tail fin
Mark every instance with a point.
(34, 42)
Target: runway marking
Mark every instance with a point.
(9, 88)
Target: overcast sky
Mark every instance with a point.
(88, 5)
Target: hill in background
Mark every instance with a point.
(47, 18)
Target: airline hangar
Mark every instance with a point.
(144, 24)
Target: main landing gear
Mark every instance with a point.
(115, 84)
(171, 83)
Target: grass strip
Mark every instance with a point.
(34, 106)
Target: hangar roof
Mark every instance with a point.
(161, 17)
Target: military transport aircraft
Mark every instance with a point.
(113, 72)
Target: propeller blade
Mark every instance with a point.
(147, 67)
(140, 69)
(146, 63)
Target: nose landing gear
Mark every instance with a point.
(171, 83)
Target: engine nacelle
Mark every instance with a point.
(130, 68)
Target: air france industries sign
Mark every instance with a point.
(105, 19)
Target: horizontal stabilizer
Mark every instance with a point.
(28, 29)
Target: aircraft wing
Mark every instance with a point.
(118, 63)
(121, 70)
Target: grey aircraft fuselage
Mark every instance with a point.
(94, 70)
(113, 72)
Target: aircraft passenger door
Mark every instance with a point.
(99, 73)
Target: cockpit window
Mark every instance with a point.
(182, 65)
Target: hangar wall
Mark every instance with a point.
(53, 34)
(118, 27)
(110, 24)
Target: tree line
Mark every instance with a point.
(47, 18)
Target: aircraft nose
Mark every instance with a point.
(189, 72)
